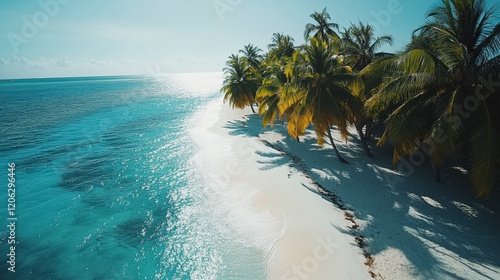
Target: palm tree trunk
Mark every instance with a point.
(369, 126)
(363, 139)
(437, 174)
(251, 106)
(341, 159)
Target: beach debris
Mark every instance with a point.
(361, 242)
(348, 216)
(369, 260)
(335, 200)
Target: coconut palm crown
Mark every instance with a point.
(443, 91)
(323, 29)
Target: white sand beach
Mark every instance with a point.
(320, 219)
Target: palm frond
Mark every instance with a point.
(409, 125)
(484, 151)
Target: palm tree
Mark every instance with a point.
(253, 55)
(442, 102)
(268, 94)
(240, 83)
(323, 29)
(360, 45)
(321, 95)
(278, 94)
(275, 79)
(282, 46)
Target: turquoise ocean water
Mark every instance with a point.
(106, 186)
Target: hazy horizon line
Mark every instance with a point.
(109, 76)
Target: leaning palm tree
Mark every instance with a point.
(323, 29)
(439, 88)
(240, 83)
(322, 96)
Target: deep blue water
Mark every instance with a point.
(105, 188)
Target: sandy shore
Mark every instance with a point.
(372, 222)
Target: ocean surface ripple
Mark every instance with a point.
(106, 188)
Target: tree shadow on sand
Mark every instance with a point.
(441, 228)
(244, 127)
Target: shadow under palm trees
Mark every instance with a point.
(245, 127)
(441, 229)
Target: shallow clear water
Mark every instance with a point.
(106, 185)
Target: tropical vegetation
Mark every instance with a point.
(437, 98)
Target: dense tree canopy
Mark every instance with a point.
(438, 97)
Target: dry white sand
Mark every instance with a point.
(412, 227)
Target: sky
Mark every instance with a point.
(61, 38)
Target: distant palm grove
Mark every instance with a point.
(439, 97)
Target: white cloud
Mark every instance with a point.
(19, 61)
(22, 67)
(63, 62)
(99, 62)
(42, 62)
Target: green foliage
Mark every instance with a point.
(282, 47)
(433, 84)
(240, 83)
(323, 29)
(360, 45)
(437, 95)
(252, 56)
